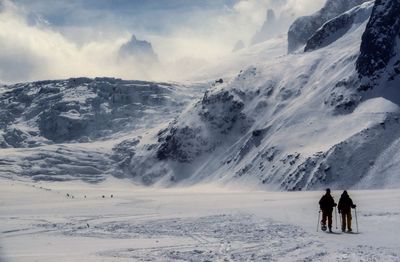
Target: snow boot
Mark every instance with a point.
(323, 227)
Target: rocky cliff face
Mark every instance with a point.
(335, 28)
(380, 49)
(304, 27)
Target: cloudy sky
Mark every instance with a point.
(49, 39)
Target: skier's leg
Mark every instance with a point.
(324, 217)
(323, 221)
(343, 222)
(330, 221)
(349, 221)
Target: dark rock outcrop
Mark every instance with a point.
(338, 26)
(218, 114)
(380, 39)
(304, 27)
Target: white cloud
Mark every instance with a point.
(33, 51)
(30, 52)
(214, 35)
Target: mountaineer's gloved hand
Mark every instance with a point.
(354, 206)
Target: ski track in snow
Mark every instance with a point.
(155, 225)
(225, 237)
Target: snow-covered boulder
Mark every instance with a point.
(304, 27)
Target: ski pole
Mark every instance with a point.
(336, 217)
(355, 212)
(319, 215)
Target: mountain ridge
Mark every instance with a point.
(299, 121)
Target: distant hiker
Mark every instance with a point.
(219, 81)
(345, 206)
(326, 205)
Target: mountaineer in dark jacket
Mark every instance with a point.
(326, 205)
(345, 206)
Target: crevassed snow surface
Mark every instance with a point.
(66, 129)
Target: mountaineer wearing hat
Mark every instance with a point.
(326, 205)
(345, 206)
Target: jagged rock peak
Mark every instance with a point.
(139, 49)
(270, 16)
(268, 29)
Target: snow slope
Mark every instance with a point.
(294, 122)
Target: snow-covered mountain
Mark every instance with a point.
(327, 115)
(70, 126)
(295, 122)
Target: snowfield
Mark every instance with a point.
(38, 222)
